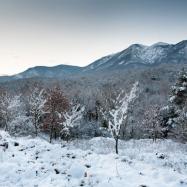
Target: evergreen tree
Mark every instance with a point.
(175, 114)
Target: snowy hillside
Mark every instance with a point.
(138, 54)
(36, 163)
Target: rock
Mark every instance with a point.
(5, 145)
(87, 165)
(183, 182)
(140, 173)
(16, 144)
(57, 171)
(162, 156)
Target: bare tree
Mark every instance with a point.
(55, 106)
(10, 108)
(5, 101)
(152, 122)
(37, 102)
(71, 119)
(118, 114)
(13, 114)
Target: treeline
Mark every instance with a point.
(71, 109)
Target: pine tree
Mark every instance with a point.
(175, 114)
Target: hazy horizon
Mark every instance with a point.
(49, 33)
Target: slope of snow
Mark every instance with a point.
(36, 163)
(152, 53)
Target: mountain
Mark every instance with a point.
(60, 71)
(50, 72)
(136, 55)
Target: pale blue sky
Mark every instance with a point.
(77, 32)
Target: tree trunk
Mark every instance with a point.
(51, 134)
(116, 146)
(36, 131)
(6, 127)
(36, 128)
(155, 136)
(55, 134)
(6, 124)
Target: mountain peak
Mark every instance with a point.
(138, 54)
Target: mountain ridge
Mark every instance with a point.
(134, 55)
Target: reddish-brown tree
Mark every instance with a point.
(56, 104)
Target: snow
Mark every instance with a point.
(152, 53)
(77, 171)
(35, 162)
(122, 62)
(119, 114)
(147, 54)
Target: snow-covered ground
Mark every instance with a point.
(36, 163)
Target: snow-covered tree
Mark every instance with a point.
(152, 122)
(5, 102)
(37, 102)
(10, 108)
(13, 114)
(175, 114)
(71, 119)
(55, 106)
(117, 116)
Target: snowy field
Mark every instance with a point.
(32, 162)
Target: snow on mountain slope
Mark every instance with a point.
(143, 55)
(154, 53)
(36, 163)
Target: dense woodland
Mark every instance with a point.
(144, 103)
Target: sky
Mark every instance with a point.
(78, 32)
